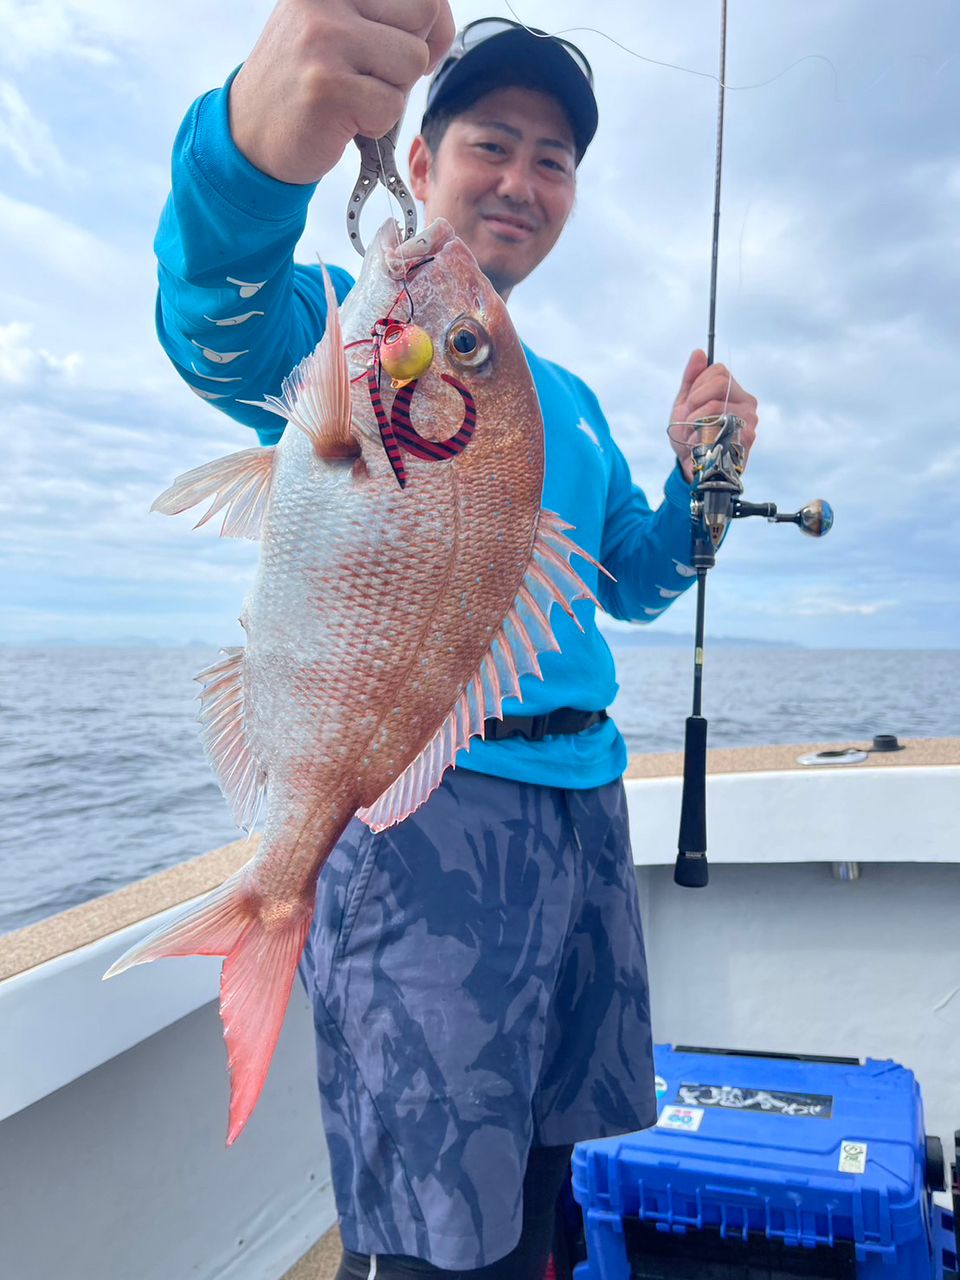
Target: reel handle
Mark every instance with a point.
(815, 519)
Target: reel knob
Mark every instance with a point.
(816, 518)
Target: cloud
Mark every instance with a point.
(104, 37)
(28, 139)
(819, 607)
(73, 255)
(945, 465)
(82, 553)
(43, 27)
(839, 270)
(23, 366)
(71, 30)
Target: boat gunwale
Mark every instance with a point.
(87, 923)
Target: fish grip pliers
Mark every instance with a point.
(378, 166)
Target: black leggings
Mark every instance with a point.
(546, 1169)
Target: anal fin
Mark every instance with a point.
(224, 735)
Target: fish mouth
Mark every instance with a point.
(401, 255)
(444, 257)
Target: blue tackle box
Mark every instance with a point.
(768, 1166)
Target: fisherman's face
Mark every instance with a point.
(504, 175)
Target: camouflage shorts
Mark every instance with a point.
(479, 985)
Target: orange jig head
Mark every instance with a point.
(406, 352)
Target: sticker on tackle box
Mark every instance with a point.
(682, 1119)
(771, 1102)
(853, 1157)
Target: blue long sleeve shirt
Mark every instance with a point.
(235, 314)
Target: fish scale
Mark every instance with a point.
(386, 622)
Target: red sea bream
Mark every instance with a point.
(406, 576)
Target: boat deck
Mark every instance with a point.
(321, 1262)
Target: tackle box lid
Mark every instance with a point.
(808, 1151)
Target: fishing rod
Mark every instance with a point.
(716, 498)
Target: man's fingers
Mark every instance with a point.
(695, 366)
(416, 16)
(375, 103)
(440, 37)
(395, 57)
(325, 70)
(707, 391)
(708, 409)
(401, 40)
(713, 381)
(709, 405)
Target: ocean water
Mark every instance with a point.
(103, 780)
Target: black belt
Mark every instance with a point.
(564, 720)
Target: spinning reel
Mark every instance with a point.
(716, 499)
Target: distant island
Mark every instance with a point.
(642, 637)
(637, 637)
(115, 642)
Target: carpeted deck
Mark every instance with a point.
(321, 1262)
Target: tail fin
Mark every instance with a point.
(261, 955)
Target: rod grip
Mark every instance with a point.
(691, 869)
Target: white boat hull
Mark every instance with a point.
(113, 1096)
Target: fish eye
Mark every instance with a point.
(468, 343)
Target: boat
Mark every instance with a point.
(829, 927)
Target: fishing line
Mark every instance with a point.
(673, 66)
(721, 78)
(386, 196)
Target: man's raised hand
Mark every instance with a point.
(326, 70)
(707, 390)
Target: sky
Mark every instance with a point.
(837, 301)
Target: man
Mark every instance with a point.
(477, 972)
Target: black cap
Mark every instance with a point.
(514, 55)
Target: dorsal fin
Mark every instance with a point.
(316, 396)
(525, 632)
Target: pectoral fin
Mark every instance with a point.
(240, 482)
